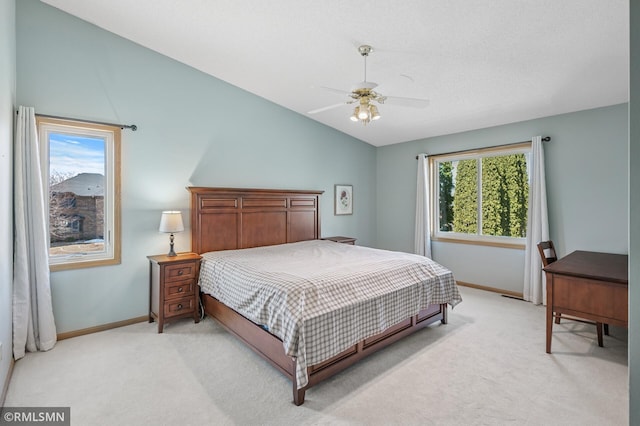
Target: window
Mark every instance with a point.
(481, 196)
(82, 163)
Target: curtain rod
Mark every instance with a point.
(544, 139)
(133, 127)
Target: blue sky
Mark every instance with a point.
(71, 154)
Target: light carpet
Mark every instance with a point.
(487, 366)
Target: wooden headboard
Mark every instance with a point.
(226, 218)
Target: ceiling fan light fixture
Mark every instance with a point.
(375, 115)
(363, 112)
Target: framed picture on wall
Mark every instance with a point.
(343, 199)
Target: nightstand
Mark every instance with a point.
(173, 291)
(343, 240)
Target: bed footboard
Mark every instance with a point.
(271, 349)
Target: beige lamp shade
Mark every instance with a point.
(171, 221)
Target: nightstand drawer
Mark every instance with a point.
(180, 288)
(180, 271)
(178, 306)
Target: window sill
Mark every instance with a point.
(514, 245)
(53, 267)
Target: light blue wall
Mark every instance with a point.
(192, 130)
(634, 220)
(7, 102)
(587, 184)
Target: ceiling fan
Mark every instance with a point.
(364, 95)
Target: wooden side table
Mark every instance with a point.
(343, 240)
(173, 292)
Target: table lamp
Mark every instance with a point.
(171, 222)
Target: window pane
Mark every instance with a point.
(76, 194)
(505, 191)
(465, 199)
(445, 178)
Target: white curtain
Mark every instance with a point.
(537, 227)
(423, 232)
(33, 325)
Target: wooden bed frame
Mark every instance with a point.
(224, 219)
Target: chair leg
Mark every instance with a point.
(606, 329)
(599, 331)
(558, 318)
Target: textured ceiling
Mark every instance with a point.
(480, 63)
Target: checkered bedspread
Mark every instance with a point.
(320, 297)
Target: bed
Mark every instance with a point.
(256, 246)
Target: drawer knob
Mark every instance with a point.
(180, 290)
(179, 305)
(180, 272)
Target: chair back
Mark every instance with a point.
(547, 246)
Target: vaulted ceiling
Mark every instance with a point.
(479, 63)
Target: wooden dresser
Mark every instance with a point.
(173, 288)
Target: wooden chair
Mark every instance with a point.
(546, 260)
(552, 257)
(545, 247)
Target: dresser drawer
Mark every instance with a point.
(179, 306)
(180, 288)
(179, 271)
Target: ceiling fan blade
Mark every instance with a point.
(336, 91)
(407, 102)
(315, 111)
